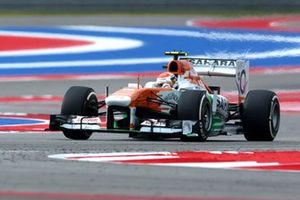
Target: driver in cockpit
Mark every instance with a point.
(166, 80)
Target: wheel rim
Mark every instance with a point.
(275, 116)
(91, 105)
(206, 117)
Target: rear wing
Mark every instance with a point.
(224, 67)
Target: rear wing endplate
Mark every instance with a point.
(224, 67)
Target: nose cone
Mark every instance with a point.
(116, 100)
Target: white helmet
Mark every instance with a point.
(166, 79)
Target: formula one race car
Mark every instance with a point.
(178, 104)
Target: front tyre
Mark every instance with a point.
(81, 101)
(261, 115)
(194, 105)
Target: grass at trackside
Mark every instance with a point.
(217, 13)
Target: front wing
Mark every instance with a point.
(95, 124)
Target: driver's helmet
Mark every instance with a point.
(166, 79)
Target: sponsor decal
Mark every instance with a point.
(86, 120)
(212, 62)
(170, 96)
(243, 82)
(222, 106)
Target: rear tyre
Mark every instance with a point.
(261, 115)
(82, 101)
(194, 105)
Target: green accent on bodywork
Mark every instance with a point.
(218, 123)
(123, 116)
(115, 124)
(210, 97)
(192, 135)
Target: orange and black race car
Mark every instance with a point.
(177, 104)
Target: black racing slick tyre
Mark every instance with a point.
(261, 115)
(194, 105)
(82, 101)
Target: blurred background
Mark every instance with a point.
(149, 6)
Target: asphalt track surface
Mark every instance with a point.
(28, 173)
